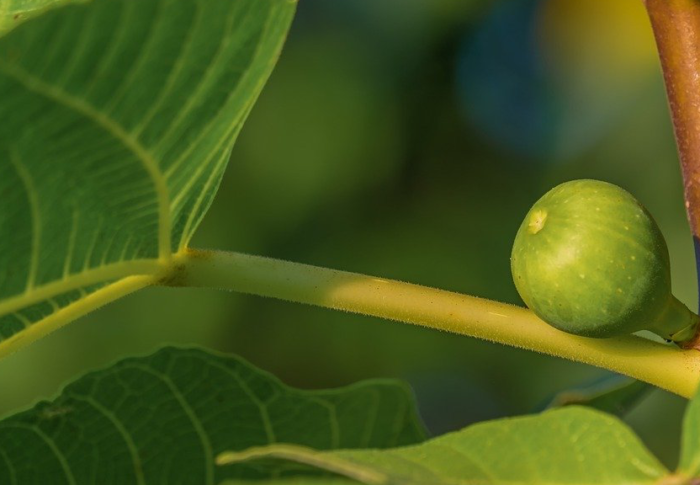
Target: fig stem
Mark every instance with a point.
(678, 323)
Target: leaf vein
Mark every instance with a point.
(131, 446)
(30, 189)
(196, 94)
(207, 450)
(52, 446)
(149, 163)
(172, 75)
(10, 468)
(264, 414)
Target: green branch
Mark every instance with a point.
(664, 366)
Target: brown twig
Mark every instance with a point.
(676, 26)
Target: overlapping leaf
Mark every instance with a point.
(170, 417)
(118, 117)
(566, 446)
(613, 393)
(163, 419)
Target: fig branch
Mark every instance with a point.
(676, 26)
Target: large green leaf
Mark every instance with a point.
(163, 419)
(118, 118)
(573, 445)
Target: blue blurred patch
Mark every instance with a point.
(697, 264)
(502, 83)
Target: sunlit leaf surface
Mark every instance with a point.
(118, 117)
(566, 446)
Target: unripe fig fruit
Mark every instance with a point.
(589, 259)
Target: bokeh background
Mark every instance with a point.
(407, 139)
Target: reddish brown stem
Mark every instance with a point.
(676, 25)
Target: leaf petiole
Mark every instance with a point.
(665, 366)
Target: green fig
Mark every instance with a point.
(590, 260)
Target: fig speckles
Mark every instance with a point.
(592, 248)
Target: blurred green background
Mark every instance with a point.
(407, 139)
